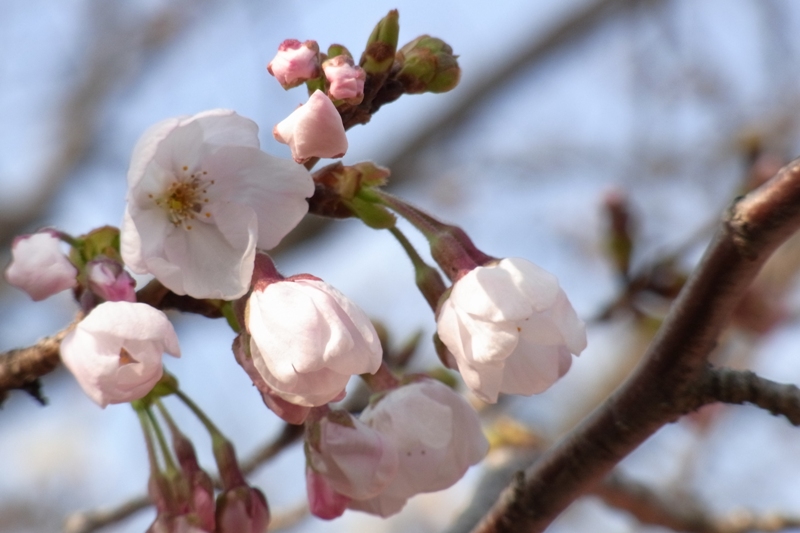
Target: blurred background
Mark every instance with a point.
(601, 139)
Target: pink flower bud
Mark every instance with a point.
(346, 80)
(323, 501)
(314, 129)
(109, 280)
(242, 510)
(295, 63)
(356, 460)
(115, 352)
(307, 339)
(510, 328)
(437, 435)
(39, 267)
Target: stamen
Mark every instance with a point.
(125, 357)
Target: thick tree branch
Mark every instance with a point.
(660, 389)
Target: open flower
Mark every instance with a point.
(437, 436)
(314, 129)
(295, 63)
(511, 329)
(307, 339)
(201, 197)
(39, 267)
(115, 352)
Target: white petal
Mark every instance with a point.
(225, 127)
(146, 147)
(276, 189)
(539, 286)
(216, 261)
(571, 327)
(532, 368)
(490, 293)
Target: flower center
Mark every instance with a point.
(186, 198)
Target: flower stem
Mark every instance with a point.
(427, 278)
(162, 442)
(210, 426)
(148, 439)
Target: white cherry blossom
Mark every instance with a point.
(201, 197)
(307, 339)
(39, 267)
(511, 329)
(115, 352)
(437, 435)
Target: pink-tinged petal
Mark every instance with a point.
(434, 451)
(323, 501)
(572, 328)
(346, 81)
(308, 339)
(295, 63)
(314, 129)
(39, 267)
(115, 352)
(356, 460)
(131, 244)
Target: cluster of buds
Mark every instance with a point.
(343, 93)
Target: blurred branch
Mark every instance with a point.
(742, 386)
(569, 31)
(661, 389)
(88, 521)
(110, 59)
(652, 509)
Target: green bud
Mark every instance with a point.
(99, 242)
(373, 215)
(378, 57)
(428, 65)
(338, 50)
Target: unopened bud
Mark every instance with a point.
(428, 65)
(379, 55)
(346, 81)
(295, 63)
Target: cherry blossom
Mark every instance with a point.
(356, 461)
(437, 436)
(295, 63)
(307, 339)
(39, 267)
(346, 80)
(115, 352)
(314, 129)
(109, 281)
(201, 197)
(511, 329)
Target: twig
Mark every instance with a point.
(742, 386)
(653, 509)
(660, 390)
(88, 521)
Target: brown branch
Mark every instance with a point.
(742, 386)
(653, 509)
(21, 368)
(659, 391)
(88, 521)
